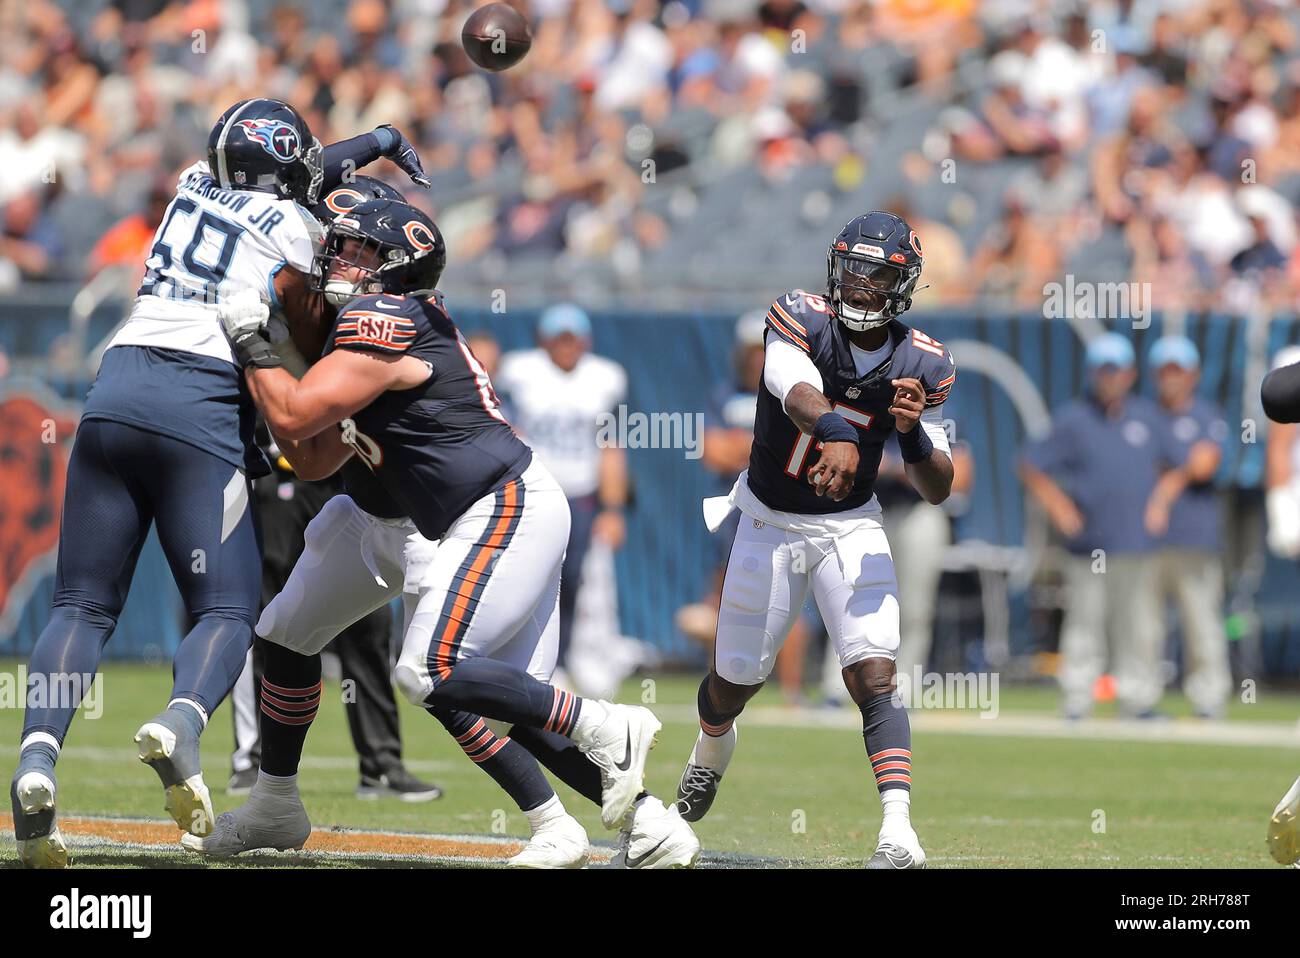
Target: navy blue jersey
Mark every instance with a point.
(782, 455)
(365, 489)
(438, 447)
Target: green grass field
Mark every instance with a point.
(1023, 790)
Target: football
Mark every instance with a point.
(496, 37)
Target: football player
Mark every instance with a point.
(841, 374)
(167, 439)
(404, 408)
(1280, 397)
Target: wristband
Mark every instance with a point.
(915, 445)
(255, 350)
(832, 427)
(386, 137)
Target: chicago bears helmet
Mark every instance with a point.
(872, 267)
(266, 145)
(346, 196)
(397, 248)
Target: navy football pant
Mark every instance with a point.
(121, 479)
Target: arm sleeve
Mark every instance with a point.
(785, 366)
(361, 150)
(1280, 394)
(932, 422)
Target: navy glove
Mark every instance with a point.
(394, 145)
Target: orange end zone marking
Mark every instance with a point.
(322, 840)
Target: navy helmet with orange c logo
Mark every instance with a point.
(395, 247)
(346, 196)
(872, 267)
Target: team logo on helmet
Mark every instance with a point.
(343, 199)
(916, 244)
(419, 234)
(275, 136)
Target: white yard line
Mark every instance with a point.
(1172, 731)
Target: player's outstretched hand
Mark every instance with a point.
(398, 149)
(834, 473)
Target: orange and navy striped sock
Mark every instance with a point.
(291, 689)
(499, 690)
(888, 737)
(565, 708)
(501, 757)
(563, 759)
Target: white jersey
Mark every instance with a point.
(209, 242)
(557, 413)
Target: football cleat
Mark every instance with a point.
(171, 748)
(280, 823)
(241, 781)
(399, 783)
(35, 824)
(1284, 828)
(696, 791)
(654, 836)
(619, 747)
(897, 850)
(558, 843)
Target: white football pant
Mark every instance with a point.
(768, 576)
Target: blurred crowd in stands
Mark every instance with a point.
(705, 144)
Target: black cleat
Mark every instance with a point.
(398, 783)
(696, 792)
(242, 781)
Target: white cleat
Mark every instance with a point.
(655, 836)
(619, 748)
(186, 797)
(899, 849)
(1284, 828)
(261, 822)
(559, 843)
(39, 843)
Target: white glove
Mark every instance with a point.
(242, 313)
(244, 318)
(1283, 509)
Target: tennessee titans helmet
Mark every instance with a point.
(346, 196)
(397, 248)
(266, 145)
(872, 268)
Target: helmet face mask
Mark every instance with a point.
(349, 267)
(864, 292)
(872, 269)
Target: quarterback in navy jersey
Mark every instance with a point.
(398, 390)
(841, 374)
(183, 466)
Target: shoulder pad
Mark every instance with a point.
(380, 323)
(931, 362)
(798, 317)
